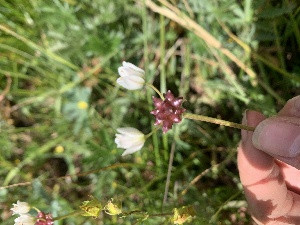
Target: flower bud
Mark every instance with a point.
(132, 77)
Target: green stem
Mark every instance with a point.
(35, 208)
(136, 212)
(217, 121)
(160, 214)
(158, 160)
(78, 212)
(274, 67)
(163, 78)
(156, 128)
(163, 75)
(156, 90)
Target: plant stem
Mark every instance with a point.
(156, 90)
(217, 121)
(136, 212)
(158, 160)
(152, 132)
(78, 212)
(163, 75)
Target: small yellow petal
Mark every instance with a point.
(59, 149)
(82, 105)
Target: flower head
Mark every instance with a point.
(132, 77)
(44, 219)
(130, 139)
(113, 207)
(183, 214)
(20, 208)
(167, 111)
(91, 208)
(82, 105)
(25, 219)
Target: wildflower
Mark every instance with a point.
(25, 219)
(183, 214)
(132, 77)
(59, 149)
(167, 111)
(91, 208)
(44, 219)
(130, 139)
(82, 105)
(20, 208)
(113, 207)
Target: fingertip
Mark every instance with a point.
(291, 108)
(251, 118)
(278, 135)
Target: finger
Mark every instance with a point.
(291, 108)
(264, 187)
(279, 136)
(254, 165)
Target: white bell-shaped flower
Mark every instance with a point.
(130, 139)
(20, 208)
(25, 219)
(132, 77)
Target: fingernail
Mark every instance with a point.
(278, 136)
(244, 133)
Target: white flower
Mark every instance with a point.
(25, 219)
(130, 139)
(132, 77)
(20, 208)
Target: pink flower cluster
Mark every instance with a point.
(44, 219)
(167, 111)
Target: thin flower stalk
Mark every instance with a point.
(217, 121)
(156, 90)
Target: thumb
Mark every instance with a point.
(279, 136)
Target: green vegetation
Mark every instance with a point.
(222, 56)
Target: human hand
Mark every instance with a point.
(269, 163)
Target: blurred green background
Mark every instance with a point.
(222, 56)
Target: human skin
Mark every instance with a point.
(269, 163)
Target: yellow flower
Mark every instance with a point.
(82, 105)
(59, 149)
(113, 207)
(184, 214)
(91, 208)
